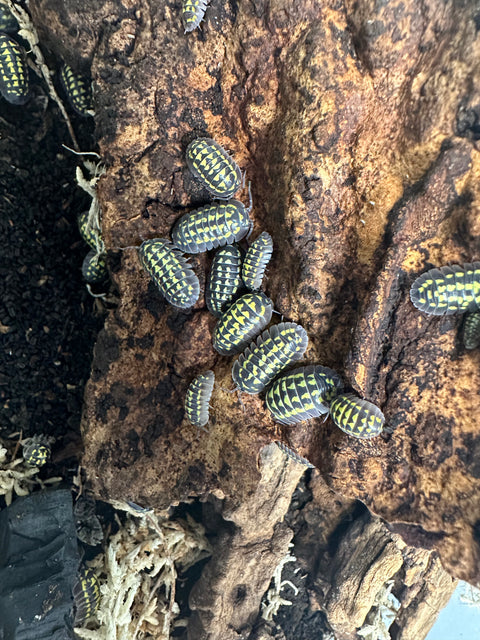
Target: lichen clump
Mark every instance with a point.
(138, 572)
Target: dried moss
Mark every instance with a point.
(138, 572)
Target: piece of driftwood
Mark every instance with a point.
(226, 599)
(357, 124)
(354, 561)
(427, 589)
(369, 563)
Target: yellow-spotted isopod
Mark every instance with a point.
(86, 595)
(224, 282)
(192, 13)
(78, 90)
(215, 169)
(211, 226)
(197, 399)
(170, 271)
(302, 394)
(356, 417)
(243, 320)
(268, 355)
(94, 268)
(256, 260)
(14, 83)
(448, 290)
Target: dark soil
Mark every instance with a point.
(48, 322)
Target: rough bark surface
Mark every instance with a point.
(227, 597)
(357, 124)
(351, 556)
(367, 558)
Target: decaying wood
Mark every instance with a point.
(427, 589)
(366, 559)
(355, 122)
(226, 599)
(352, 556)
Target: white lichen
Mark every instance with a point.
(138, 573)
(381, 615)
(273, 600)
(89, 185)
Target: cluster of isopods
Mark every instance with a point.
(14, 76)
(451, 290)
(86, 590)
(15, 88)
(304, 393)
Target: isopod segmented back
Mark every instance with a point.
(94, 268)
(92, 236)
(78, 90)
(211, 226)
(8, 23)
(224, 281)
(86, 595)
(192, 13)
(197, 399)
(36, 453)
(293, 455)
(471, 331)
(448, 290)
(357, 417)
(14, 83)
(302, 394)
(215, 169)
(170, 271)
(266, 357)
(243, 320)
(256, 260)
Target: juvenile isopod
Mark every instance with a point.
(471, 331)
(36, 451)
(91, 236)
(94, 268)
(78, 90)
(224, 281)
(192, 13)
(256, 260)
(197, 399)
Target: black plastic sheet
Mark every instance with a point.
(38, 567)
